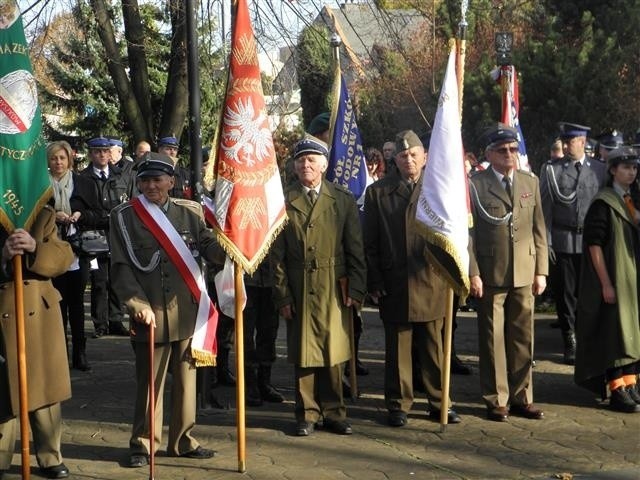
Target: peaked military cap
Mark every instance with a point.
(498, 134)
(319, 124)
(310, 145)
(611, 139)
(407, 139)
(623, 155)
(169, 141)
(99, 142)
(155, 164)
(570, 130)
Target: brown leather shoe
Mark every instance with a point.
(498, 414)
(527, 411)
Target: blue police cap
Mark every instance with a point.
(498, 134)
(115, 142)
(155, 164)
(168, 141)
(310, 145)
(99, 142)
(570, 130)
(623, 155)
(611, 139)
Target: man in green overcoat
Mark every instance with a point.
(320, 273)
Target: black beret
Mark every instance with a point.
(319, 124)
(498, 134)
(155, 164)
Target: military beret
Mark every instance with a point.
(407, 139)
(623, 155)
(570, 130)
(611, 139)
(115, 142)
(319, 124)
(99, 142)
(498, 134)
(310, 145)
(168, 142)
(155, 164)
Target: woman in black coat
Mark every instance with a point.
(77, 208)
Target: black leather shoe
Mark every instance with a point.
(100, 331)
(621, 401)
(225, 377)
(138, 461)
(361, 370)
(57, 471)
(253, 398)
(341, 427)
(498, 414)
(459, 368)
(304, 429)
(452, 415)
(634, 393)
(199, 453)
(527, 411)
(397, 418)
(270, 394)
(118, 329)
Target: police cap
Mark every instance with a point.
(310, 145)
(99, 143)
(623, 155)
(611, 139)
(155, 164)
(571, 130)
(498, 134)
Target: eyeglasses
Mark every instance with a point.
(503, 150)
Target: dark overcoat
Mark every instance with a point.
(47, 367)
(318, 246)
(396, 254)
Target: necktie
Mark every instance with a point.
(507, 186)
(578, 167)
(313, 195)
(103, 176)
(630, 206)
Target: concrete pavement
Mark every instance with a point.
(579, 437)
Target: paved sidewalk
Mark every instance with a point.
(579, 437)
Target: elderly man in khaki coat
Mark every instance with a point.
(44, 256)
(508, 266)
(410, 293)
(320, 273)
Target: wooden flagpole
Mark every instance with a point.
(240, 410)
(22, 366)
(448, 321)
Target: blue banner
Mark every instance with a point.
(346, 157)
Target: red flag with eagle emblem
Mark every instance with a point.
(248, 208)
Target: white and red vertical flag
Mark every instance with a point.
(248, 209)
(508, 78)
(443, 205)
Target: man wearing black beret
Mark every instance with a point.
(508, 265)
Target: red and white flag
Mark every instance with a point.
(248, 208)
(443, 205)
(508, 78)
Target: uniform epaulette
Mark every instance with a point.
(528, 173)
(191, 204)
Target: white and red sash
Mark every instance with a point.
(203, 344)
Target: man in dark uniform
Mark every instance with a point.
(409, 292)
(607, 141)
(169, 146)
(508, 264)
(319, 275)
(567, 187)
(114, 188)
(158, 297)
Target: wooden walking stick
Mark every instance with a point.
(152, 404)
(22, 365)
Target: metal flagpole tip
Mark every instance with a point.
(335, 40)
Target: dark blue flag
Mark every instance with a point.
(347, 165)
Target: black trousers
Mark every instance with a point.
(71, 285)
(566, 275)
(260, 327)
(105, 306)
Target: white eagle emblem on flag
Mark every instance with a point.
(246, 138)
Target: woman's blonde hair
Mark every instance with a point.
(61, 145)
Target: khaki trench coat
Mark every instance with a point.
(47, 368)
(317, 247)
